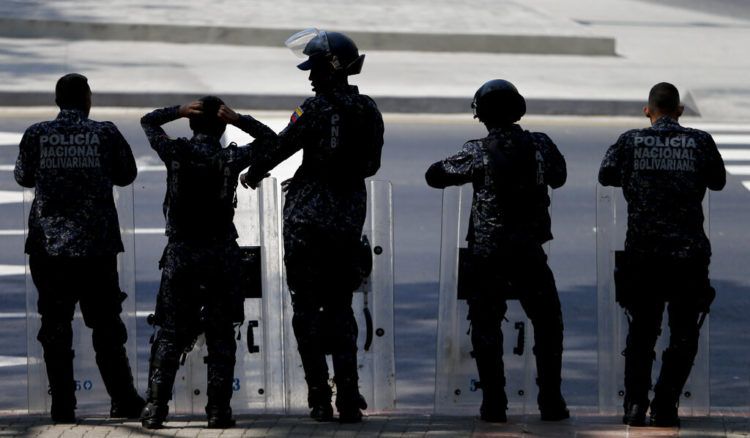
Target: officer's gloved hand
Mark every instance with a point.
(253, 184)
(285, 184)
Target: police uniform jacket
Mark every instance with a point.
(664, 171)
(510, 171)
(341, 136)
(73, 162)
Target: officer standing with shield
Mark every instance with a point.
(73, 162)
(341, 134)
(200, 284)
(664, 172)
(510, 171)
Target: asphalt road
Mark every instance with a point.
(729, 8)
(412, 143)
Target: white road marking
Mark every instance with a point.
(720, 127)
(12, 361)
(725, 139)
(149, 231)
(10, 138)
(746, 184)
(152, 168)
(735, 154)
(20, 232)
(12, 315)
(7, 270)
(11, 196)
(143, 168)
(738, 170)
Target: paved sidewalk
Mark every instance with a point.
(414, 425)
(701, 53)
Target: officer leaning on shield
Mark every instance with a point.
(73, 228)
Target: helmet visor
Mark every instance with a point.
(308, 42)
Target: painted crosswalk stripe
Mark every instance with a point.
(10, 138)
(11, 196)
(721, 127)
(6, 270)
(725, 139)
(138, 231)
(735, 154)
(738, 170)
(746, 184)
(144, 168)
(12, 315)
(12, 361)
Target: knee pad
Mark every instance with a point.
(109, 334)
(55, 335)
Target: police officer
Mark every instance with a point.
(199, 290)
(664, 172)
(72, 162)
(341, 134)
(510, 171)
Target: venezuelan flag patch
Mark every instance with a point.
(296, 115)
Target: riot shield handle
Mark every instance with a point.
(521, 327)
(251, 347)
(368, 323)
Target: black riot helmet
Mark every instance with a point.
(333, 48)
(498, 102)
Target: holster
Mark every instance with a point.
(624, 293)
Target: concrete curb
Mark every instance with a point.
(387, 104)
(399, 41)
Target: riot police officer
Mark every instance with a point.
(199, 290)
(664, 172)
(510, 171)
(341, 134)
(72, 162)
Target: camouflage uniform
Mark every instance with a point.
(73, 241)
(664, 172)
(341, 134)
(509, 170)
(200, 266)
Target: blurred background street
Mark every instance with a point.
(585, 68)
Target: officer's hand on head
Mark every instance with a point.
(228, 115)
(191, 109)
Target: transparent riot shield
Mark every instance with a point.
(258, 372)
(373, 309)
(611, 225)
(91, 395)
(457, 385)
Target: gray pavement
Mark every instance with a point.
(696, 50)
(385, 425)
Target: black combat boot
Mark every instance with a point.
(62, 386)
(492, 382)
(154, 414)
(319, 401)
(494, 405)
(552, 406)
(118, 380)
(219, 416)
(349, 402)
(635, 412)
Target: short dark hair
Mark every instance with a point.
(209, 122)
(664, 97)
(72, 91)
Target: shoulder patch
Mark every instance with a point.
(296, 115)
